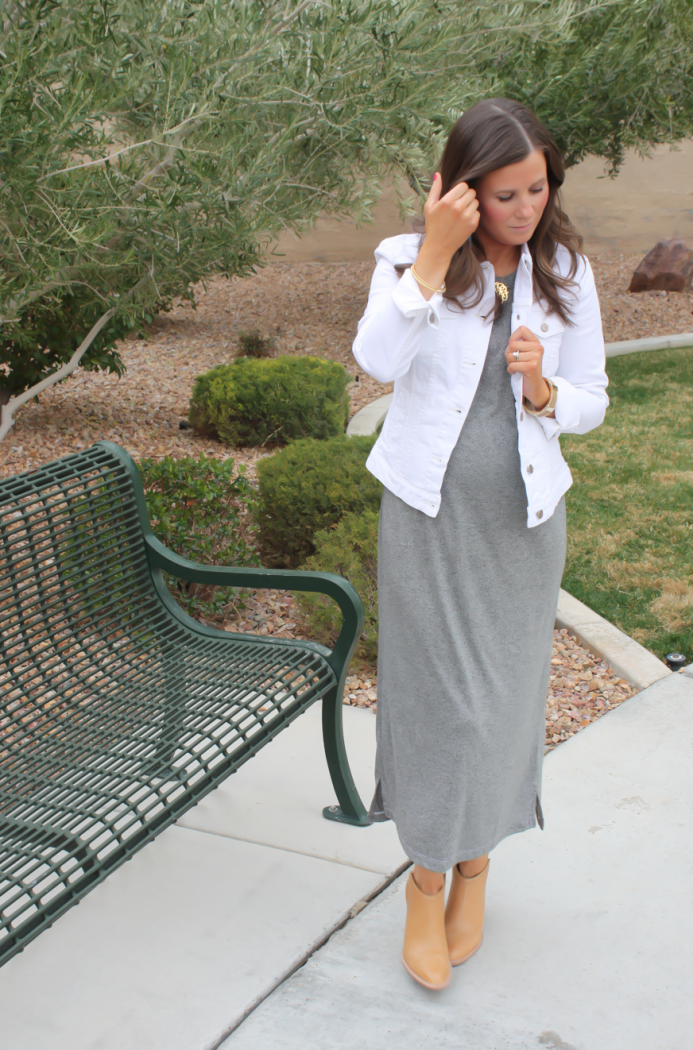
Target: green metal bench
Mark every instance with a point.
(118, 712)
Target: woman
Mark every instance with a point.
(490, 327)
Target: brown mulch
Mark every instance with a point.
(308, 308)
(582, 688)
(636, 315)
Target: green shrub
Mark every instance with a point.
(271, 401)
(199, 509)
(310, 486)
(252, 344)
(351, 550)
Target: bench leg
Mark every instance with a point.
(350, 809)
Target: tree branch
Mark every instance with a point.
(68, 275)
(169, 157)
(192, 122)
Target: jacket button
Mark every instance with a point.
(540, 513)
(522, 416)
(530, 469)
(544, 327)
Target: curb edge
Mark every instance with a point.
(630, 660)
(656, 342)
(368, 419)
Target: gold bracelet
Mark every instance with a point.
(549, 406)
(425, 283)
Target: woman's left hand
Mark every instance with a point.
(534, 386)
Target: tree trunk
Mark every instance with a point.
(12, 403)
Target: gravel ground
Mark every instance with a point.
(309, 308)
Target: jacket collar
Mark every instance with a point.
(522, 294)
(525, 260)
(524, 288)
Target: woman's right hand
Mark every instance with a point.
(449, 222)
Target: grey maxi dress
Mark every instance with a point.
(467, 602)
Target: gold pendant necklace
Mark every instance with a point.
(501, 290)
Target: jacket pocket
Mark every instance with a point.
(549, 329)
(552, 351)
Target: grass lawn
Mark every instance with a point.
(630, 510)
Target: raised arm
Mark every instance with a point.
(396, 318)
(400, 308)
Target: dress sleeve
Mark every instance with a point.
(396, 317)
(581, 378)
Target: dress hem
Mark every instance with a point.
(431, 864)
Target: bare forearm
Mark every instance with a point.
(538, 392)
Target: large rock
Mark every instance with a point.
(667, 267)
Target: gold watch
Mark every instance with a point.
(550, 404)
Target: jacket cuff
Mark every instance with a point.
(409, 301)
(567, 411)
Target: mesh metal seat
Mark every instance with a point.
(118, 712)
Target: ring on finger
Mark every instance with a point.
(516, 355)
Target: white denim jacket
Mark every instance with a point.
(435, 354)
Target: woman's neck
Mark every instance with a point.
(504, 258)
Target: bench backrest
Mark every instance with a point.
(75, 590)
(73, 571)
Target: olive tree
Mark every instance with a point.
(619, 78)
(148, 144)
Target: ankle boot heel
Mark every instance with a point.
(425, 953)
(464, 915)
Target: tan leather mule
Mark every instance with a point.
(464, 915)
(425, 954)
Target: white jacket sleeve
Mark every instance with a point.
(581, 379)
(389, 333)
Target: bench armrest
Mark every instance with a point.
(335, 587)
(160, 558)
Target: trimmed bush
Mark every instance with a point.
(310, 486)
(271, 401)
(351, 550)
(199, 509)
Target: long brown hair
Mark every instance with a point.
(490, 135)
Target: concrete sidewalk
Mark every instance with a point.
(587, 941)
(175, 947)
(588, 934)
